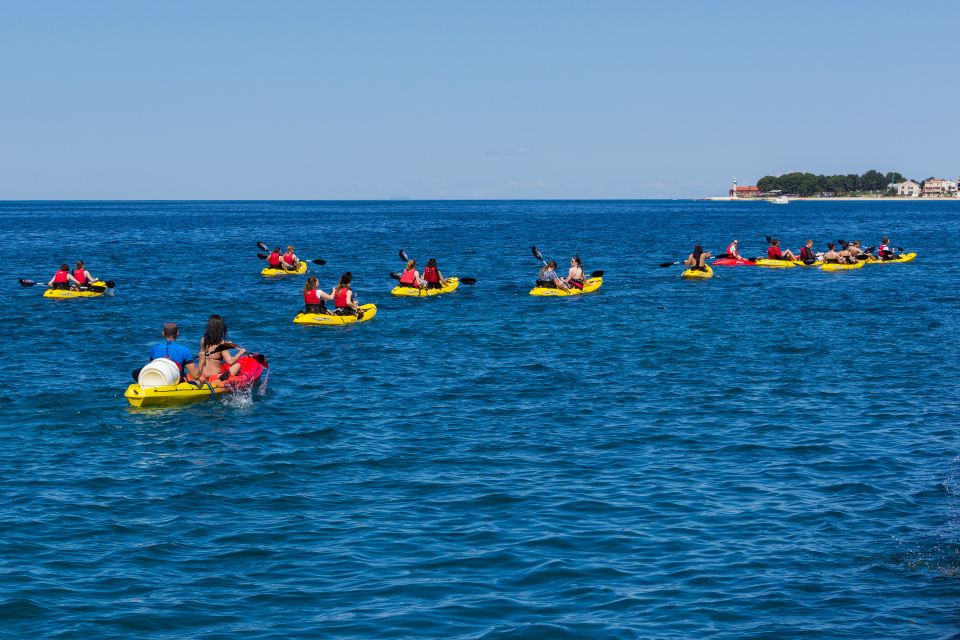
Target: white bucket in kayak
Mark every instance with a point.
(159, 373)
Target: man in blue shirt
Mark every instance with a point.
(172, 350)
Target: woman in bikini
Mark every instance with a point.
(216, 362)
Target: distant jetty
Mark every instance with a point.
(872, 185)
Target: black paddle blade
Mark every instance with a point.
(395, 275)
(536, 254)
(262, 256)
(768, 239)
(24, 282)
(723, 256)
(468, 280)
(110, 284)
(862, 256)
(403, 255)
(319, 262)
(597, 274)
(262, 246)
(664, 265)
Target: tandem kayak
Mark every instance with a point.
(336, 320)
(271, 272)
(253, 368)
(415, 292)
(836, 266)
(98, 288)
(697, 274)
(733, 262)
(591, 285)
(903, 257)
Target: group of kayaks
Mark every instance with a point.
(707, 271)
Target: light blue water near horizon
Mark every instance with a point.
(770, 453)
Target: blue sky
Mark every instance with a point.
(446, 99)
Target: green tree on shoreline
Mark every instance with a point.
(809, 184)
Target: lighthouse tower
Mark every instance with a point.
(733, 192)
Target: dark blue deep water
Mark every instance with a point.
(771, 453)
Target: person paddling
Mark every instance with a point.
(274, 259)
(548, 277)
(82, 276)
(173, 351)
(216, 361)
(432, 276)
(290, 261)
(575, 277)
(697, 259)
(63, 279)
(411, 277)
(343, 298)
(884, 251)
(313, 297)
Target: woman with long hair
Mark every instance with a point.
(216, 361)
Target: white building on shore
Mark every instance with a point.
(908, 188)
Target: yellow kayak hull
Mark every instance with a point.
(172, 395)
(696, 274)
(591, 285)
(775, 264)
(334, 320)
(67, 293)
(413, 292)
(906, 257)
(270, 272)
(833, 266)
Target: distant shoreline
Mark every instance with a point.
(838, 199)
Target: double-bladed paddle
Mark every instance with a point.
(317, 261)
(109, 284)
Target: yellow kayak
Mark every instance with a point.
(696, 274)
(335, 320)
(414, 292)
(835, 266)
(270, 271)
(904, 257)
(591, 285)
(775, 264)
(172, 395)
(70, 293)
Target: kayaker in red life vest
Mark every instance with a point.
(697, 259)
(410, 276)
(274, 259)
(432, 276)
(575, 277)
(775, 253)
(62, 279)
(343, 298)
(290, 261)
(733, 252)
(82, 276)
(807, 254)
(884, 252)
(313, 297)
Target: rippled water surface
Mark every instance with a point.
(770, 453)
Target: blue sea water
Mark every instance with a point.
(767, 454)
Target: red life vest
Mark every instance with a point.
(274, 260)
(288, 257)
(80, 275)
(774, 253)
(340, 297)
(806, 253)
(60, 277)
(311, 297)
(431, 275)
(408, 278)
(732, 250)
